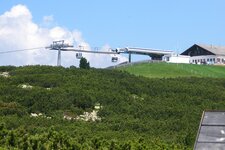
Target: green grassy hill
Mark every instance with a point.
(136, 112)
(169, 70)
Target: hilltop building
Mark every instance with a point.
(205, 54)
(175, 58)
(199, 54)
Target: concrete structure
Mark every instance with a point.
(153, 53)
(177, 59)
(205, 54)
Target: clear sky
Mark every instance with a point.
(160, 24)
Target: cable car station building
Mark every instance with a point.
(205, 54)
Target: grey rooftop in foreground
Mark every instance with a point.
(211, 133)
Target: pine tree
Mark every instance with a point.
(84, 64)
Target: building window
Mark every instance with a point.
(167, 59)
(223, 61)
(218, 59)
(204, 61)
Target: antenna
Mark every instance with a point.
(58, 45)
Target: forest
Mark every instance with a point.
(44, 107)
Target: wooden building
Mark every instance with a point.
(205, 54)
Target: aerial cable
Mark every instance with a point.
(20, 50)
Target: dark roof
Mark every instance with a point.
(203, 49)
(218, 50)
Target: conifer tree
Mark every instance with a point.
(84, 64)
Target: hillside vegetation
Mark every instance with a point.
(170, 70)
(134, 112)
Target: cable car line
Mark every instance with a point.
(20, 50)
(88, 51)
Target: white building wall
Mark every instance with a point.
(177, 59)
(204, 59)
(220, 60)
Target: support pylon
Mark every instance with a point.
(129, 57)
(59, 45)
(59, 57)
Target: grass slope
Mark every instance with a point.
(167, 70)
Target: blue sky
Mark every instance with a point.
(160, 24)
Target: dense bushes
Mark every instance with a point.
(12, 108)
(51, 139)
(162, 112)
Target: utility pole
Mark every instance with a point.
(59, 45)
